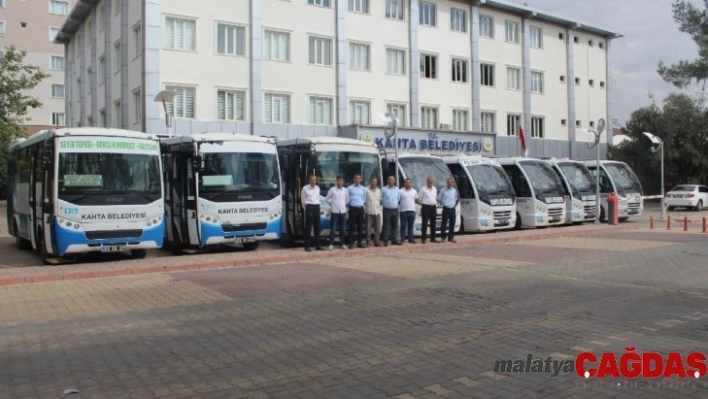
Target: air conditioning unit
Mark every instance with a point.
(445, 126)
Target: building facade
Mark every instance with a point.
(471, 71)
(31, 26)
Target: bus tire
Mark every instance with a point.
(21, 243)
(138, 253)
(518, 226)
(251, 246)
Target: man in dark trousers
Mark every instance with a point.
(311, 205)
(449, 199)
(357, 201)
(428, 198)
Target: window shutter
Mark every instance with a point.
(220, 39)
(220, 106)
(268, 108)
(240, 37)
(189, 103)
(328, 111)
(178, 34)
(169, 33)
(267, 45)
(313, 49)
(313, 110)
(285, 104)
(284, 49)
(189, 35)
(240, 102)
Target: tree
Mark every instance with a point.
(694, 21)
(683, 126)
(16, 80)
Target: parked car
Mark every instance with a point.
(687, 195)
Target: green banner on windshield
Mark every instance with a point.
(107, 144)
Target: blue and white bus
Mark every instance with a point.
(221, 188)
(80, 190)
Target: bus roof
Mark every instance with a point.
(392, 157)
(218, 136)
(325, 140)
(81, 131)
(515, 160)
(602, 162)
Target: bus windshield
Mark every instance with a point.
(238, 172)
(418, 170)
(543, 179)
(578, 177)
(490, 180)
(82, 175)
(623, 176)
(331, 164)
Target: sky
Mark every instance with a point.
(650, 35)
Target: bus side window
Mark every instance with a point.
(518, 181)
(605, 186)
(463, 182)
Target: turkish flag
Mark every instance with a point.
(522, 138)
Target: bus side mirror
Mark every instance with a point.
(46, 162)
(196, 164)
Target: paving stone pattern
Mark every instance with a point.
(412, 325)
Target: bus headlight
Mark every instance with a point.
(274, 215)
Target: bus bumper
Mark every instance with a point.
(70, 242)
(215, 235)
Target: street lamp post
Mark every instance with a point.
(391, 118)
(659, 146)
(166, 96)
(596, 143)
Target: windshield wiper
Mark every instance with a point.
(141, 194)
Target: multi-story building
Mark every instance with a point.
(31, 26)
(460, 75)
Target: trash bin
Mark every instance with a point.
(612, 209)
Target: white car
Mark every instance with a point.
(687, 195)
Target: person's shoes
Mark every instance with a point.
(362, 245)
(319, 249)
(452, 240)
(411, 241)
(344, 246)
(422, 241)
(435, 241)
(397, 243)
(378, 244)
(331, 247)
(386, 244)
(308, 249)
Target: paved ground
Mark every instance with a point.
(408, 325)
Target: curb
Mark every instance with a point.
(474, 241)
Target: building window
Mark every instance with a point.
(536, 37)
(487, 74)
(395, 61)
(359, 112)
(231, 105)
(488, 120)
(320, 111)
(118, 112)
(399, 111)
(513, 78)
(428, 118)
(458, 20)
(116, 6)
(486, 26)
(459, 71)
(578, 123)
(321, 3)
(428, 66)
(513, 122)
(184, 103)
(53, 32)
(58, 7)
(602, 85)
(428, 13)
(537, 127)
(320, 51)
(137, 106)
(277, 108)
(57, 91)
(56, 63)
(58, 119)
(2, 28)
(116, 57)
(137, 40)
(179, 34)
(102, 115)
(395, 9)
(537, 82)
(102, 68)
(360, 6)
(230, 40)
(591, 82)
(511, 31)
(460, 119)
(359, 56)
(276, 46)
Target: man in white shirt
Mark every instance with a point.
(374, 211)
(409, 195)
(338, 199)
(428, 198)
(311, 205)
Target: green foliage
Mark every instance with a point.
(694, 21)
(16, 79)
(683, 126)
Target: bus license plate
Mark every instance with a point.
(554, 219)
(502, 222)
(114, 248)
(244, 240)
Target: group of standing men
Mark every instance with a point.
(365, 206)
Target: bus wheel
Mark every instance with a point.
(138, 253)
(517, 226)
(21, 243)
(251, 246)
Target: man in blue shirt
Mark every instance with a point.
(448, 198)
(391, 199)
(357, 200)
